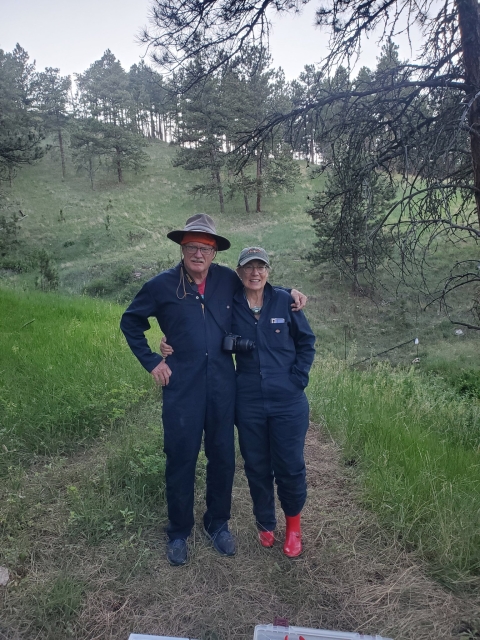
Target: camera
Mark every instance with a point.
(237, 344)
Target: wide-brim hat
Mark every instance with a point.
(200, 223)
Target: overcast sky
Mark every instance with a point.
(71, 35)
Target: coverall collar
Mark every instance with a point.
(268, 294)
(210, 286)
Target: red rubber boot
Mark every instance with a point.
(267, 538)
(293, 537)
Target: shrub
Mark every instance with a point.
(18, 264)
(111, 284)
(48, 278)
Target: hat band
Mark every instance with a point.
(205, 238)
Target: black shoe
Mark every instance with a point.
(177, 552)
(222, 541)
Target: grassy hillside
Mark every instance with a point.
(111, 239)
(71, 220)
(66, 372)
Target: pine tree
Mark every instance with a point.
(51, 98)
(202, 133)
(88, 147)
(258, 91)
(347, 213)
(149, 100)
(21, 131)
(104, 91)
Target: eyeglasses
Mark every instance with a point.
(249, 268)
(192, 249)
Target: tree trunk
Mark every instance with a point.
(160, 128)
(259, 183)
(245, 195)
(217, 179)
(152, 125)
(355, 283)
(245, 198)
(220, 193)
(62, 153)
(469, 22)
(90, 171)
(119, 166)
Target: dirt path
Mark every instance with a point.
(351, 577)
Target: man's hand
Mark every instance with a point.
(300, 300)
(161, 373)
(165, 348)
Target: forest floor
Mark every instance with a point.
(352, 576)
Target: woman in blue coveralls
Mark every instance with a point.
(271, 406)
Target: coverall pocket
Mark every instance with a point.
(278, 334)
(296, 382)
(223, 313)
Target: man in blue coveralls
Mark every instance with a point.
(192, 303)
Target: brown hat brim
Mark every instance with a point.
(222, 243)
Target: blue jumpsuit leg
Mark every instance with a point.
(183, 430)
(288, 425)
(272, 429)
(220, 452)
(254, 439)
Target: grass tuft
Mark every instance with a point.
(59, 602)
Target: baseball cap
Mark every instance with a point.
(252, 253)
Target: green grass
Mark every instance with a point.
(57, 603)
(125, 490)
(65, 506)
(66, 371)
(416, 446)
(68, 377)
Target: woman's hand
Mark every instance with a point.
(165, 349)
(299, 301)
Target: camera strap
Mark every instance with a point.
(215, 320)
(184, 275)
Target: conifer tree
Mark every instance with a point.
(51, 98)
(258, 91)
(103, 90)
(149, 100)
(202, 133)
(21, 130)
(347, 211)
(88, 148)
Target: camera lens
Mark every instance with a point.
(243, 345)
